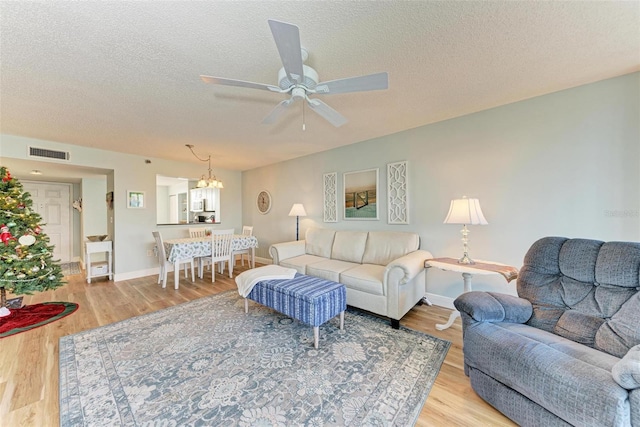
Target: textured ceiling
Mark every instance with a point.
(123, 76)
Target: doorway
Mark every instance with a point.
(52, 201)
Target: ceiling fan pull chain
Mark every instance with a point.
(304, 127)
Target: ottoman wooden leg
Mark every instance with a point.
(246, 305)
(316, 336)
(342, 320)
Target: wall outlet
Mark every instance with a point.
(150, 252)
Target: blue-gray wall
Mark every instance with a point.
(566, 163)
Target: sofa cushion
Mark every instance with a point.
(568, 379)
(319, 241)
(585, 290)
(385, 246)
(366, 278)
(578, 327)
(300, 262)
(618, 334)
(349, 246)
(330, 269)
(627, 371)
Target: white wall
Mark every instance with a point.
(131, 228)
(94, 212)
(563, 164)
(94, 207)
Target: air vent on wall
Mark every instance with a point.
(49, 154)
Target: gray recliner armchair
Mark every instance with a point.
(567, 350)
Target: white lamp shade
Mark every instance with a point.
(465, 211)
(297, 210)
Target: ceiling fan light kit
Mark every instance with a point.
(301, 80)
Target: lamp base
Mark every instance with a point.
(466, 260)
(465, 247)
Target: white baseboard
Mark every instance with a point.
(441, 301)
(118, 277)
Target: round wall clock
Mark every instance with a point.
(263, 202)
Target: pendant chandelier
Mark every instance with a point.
(212, 181)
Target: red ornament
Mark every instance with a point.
(5, 234)
(20, 205)
(37, 230)
(7, 177)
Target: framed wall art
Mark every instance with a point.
(330, 182)
(135, 199)
(398, 193)
(361, 195)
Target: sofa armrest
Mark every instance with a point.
(626, 372)
(282, 251)
(494, 307)
(405, 268)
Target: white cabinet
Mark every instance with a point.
(98, 269)
(197, 202)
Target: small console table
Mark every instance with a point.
(101, 268)
(468, 270)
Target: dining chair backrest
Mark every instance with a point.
(247, 230)
(197, 232)
(221, 244)
(162, 256)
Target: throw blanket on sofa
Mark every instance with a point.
(248, 279)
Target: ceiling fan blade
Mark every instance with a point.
(287, 38)
(277, 112)
(377, 81)
(328, 113)
(240, 83)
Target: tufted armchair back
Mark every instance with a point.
(584, 290)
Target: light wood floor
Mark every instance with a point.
(29, 361)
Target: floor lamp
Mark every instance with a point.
(465, 211)
(297, 210)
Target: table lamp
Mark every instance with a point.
(297, 210)
(465, 211)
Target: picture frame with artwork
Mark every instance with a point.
(330, 186)
(398, 192)
(361, 195)
(135, 199)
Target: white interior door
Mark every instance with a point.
(53, 203)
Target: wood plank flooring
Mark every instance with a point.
(29, 361)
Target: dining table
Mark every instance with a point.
(185, 248)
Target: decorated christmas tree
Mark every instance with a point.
(26, 258)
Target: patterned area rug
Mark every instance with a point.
(69, 268)
(206, 362)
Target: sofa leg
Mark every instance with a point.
(395, 323)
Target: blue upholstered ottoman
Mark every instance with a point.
(308, 299)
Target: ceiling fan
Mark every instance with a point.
(301, 80)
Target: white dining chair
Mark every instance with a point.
(247, 230)
(200, 232)
(197, 232)
(164, 262)
(221, 251)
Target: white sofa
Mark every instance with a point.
(383, 271)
